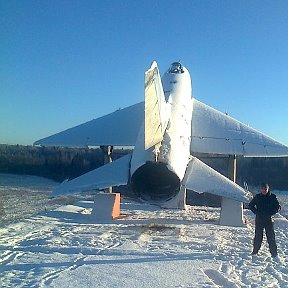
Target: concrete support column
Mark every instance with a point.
(231, 210)
(107, 150)
(232, 167)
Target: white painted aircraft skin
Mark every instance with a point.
(165, 131)
(174, 147)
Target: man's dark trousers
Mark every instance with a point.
(266, 223)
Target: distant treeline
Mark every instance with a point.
(51, 162)
(62, 163)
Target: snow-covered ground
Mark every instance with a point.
(146, 247)
(24, 195)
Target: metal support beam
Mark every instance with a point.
(231, 210)
(107, 150)
(232, 167)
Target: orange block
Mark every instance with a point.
(106, 206)
(116, 206)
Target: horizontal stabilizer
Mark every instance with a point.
(119, 128)
(217, 133)
(201, 178)
(113, 174)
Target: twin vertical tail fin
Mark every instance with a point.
(155, 107)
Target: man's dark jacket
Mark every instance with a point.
(264, 206)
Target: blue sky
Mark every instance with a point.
(63, 63)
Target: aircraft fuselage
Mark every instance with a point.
(158, 179)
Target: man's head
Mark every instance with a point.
(264, 188)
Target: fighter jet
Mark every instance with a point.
(166, 130)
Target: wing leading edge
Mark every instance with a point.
(119, 128)
(217, 133)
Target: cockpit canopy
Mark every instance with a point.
(176, 68)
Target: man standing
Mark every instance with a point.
(264, 205)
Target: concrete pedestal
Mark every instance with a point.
(231, 213)
(106, 206)
(231, 210)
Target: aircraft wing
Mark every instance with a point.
(217, 133)
(119, 128)
(113, 174)
(200, 178)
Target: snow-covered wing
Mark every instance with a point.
(119, 128)
(218, 133)
(113, 174)
(201, 178)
